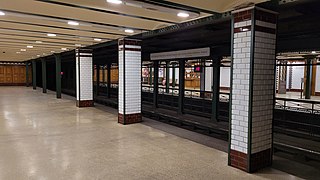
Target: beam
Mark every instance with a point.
(155, 83)
(105, 11)
(181, 86)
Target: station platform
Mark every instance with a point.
(45, 137)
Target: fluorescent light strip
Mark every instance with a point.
(51, 35)
(183, 14)
(115, 1)
(73, 23)
(129, 31)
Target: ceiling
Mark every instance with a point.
(28, 22)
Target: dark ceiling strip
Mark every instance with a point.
(41, 37)
(42, 32)
(59, 27)
(43, 42)
(68, 19)
(177, 6)
(105, 11)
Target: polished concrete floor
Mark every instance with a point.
(42, 137)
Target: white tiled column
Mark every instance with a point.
(252, 93)
(84, 78)
(129, 81)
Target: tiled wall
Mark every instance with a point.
(263, 89)
(130, 84)
(240, 87)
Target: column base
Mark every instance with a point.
(258, 160)
(129, 118)
(85, 103)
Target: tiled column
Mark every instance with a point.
(252, 90)
(84, 78)
(129, 81)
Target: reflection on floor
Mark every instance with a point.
(42, 137)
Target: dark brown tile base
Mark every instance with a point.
(261, 160)
(257, 161)
(129, 118)
(87, 103)
(239, 160)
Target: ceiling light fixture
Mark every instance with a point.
(51, 35)
(313, 52)
(183, 14)
(73, 23)
(129, 31)
(38, 55)
(115, 1)
(2, 13)
(97, 39)
(78, 45)
(63, 49)
(29, 46)
(23, 50)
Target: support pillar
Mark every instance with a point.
(216, 88)
(150, 76)
(34, 74)
(155, 83)
(129, 81)
(252, 92)
(173, 76)
(108, 79)
(167, 76)
(58, 75)
(181, 86)
(203, 78)
(308, 79)
(27, 74)
(97, 79)
(44, 75)
(84, 78)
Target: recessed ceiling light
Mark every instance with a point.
(183, 14)
(73, 23)
(115, 1)
(97, 39)
(23, 50)
(313, 52)
(78, 45)
(63, 49)
(51, 35)
(129, 31)
(38, 41)
(2, 13)
(29, 46)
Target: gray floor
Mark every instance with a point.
(42, 137)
